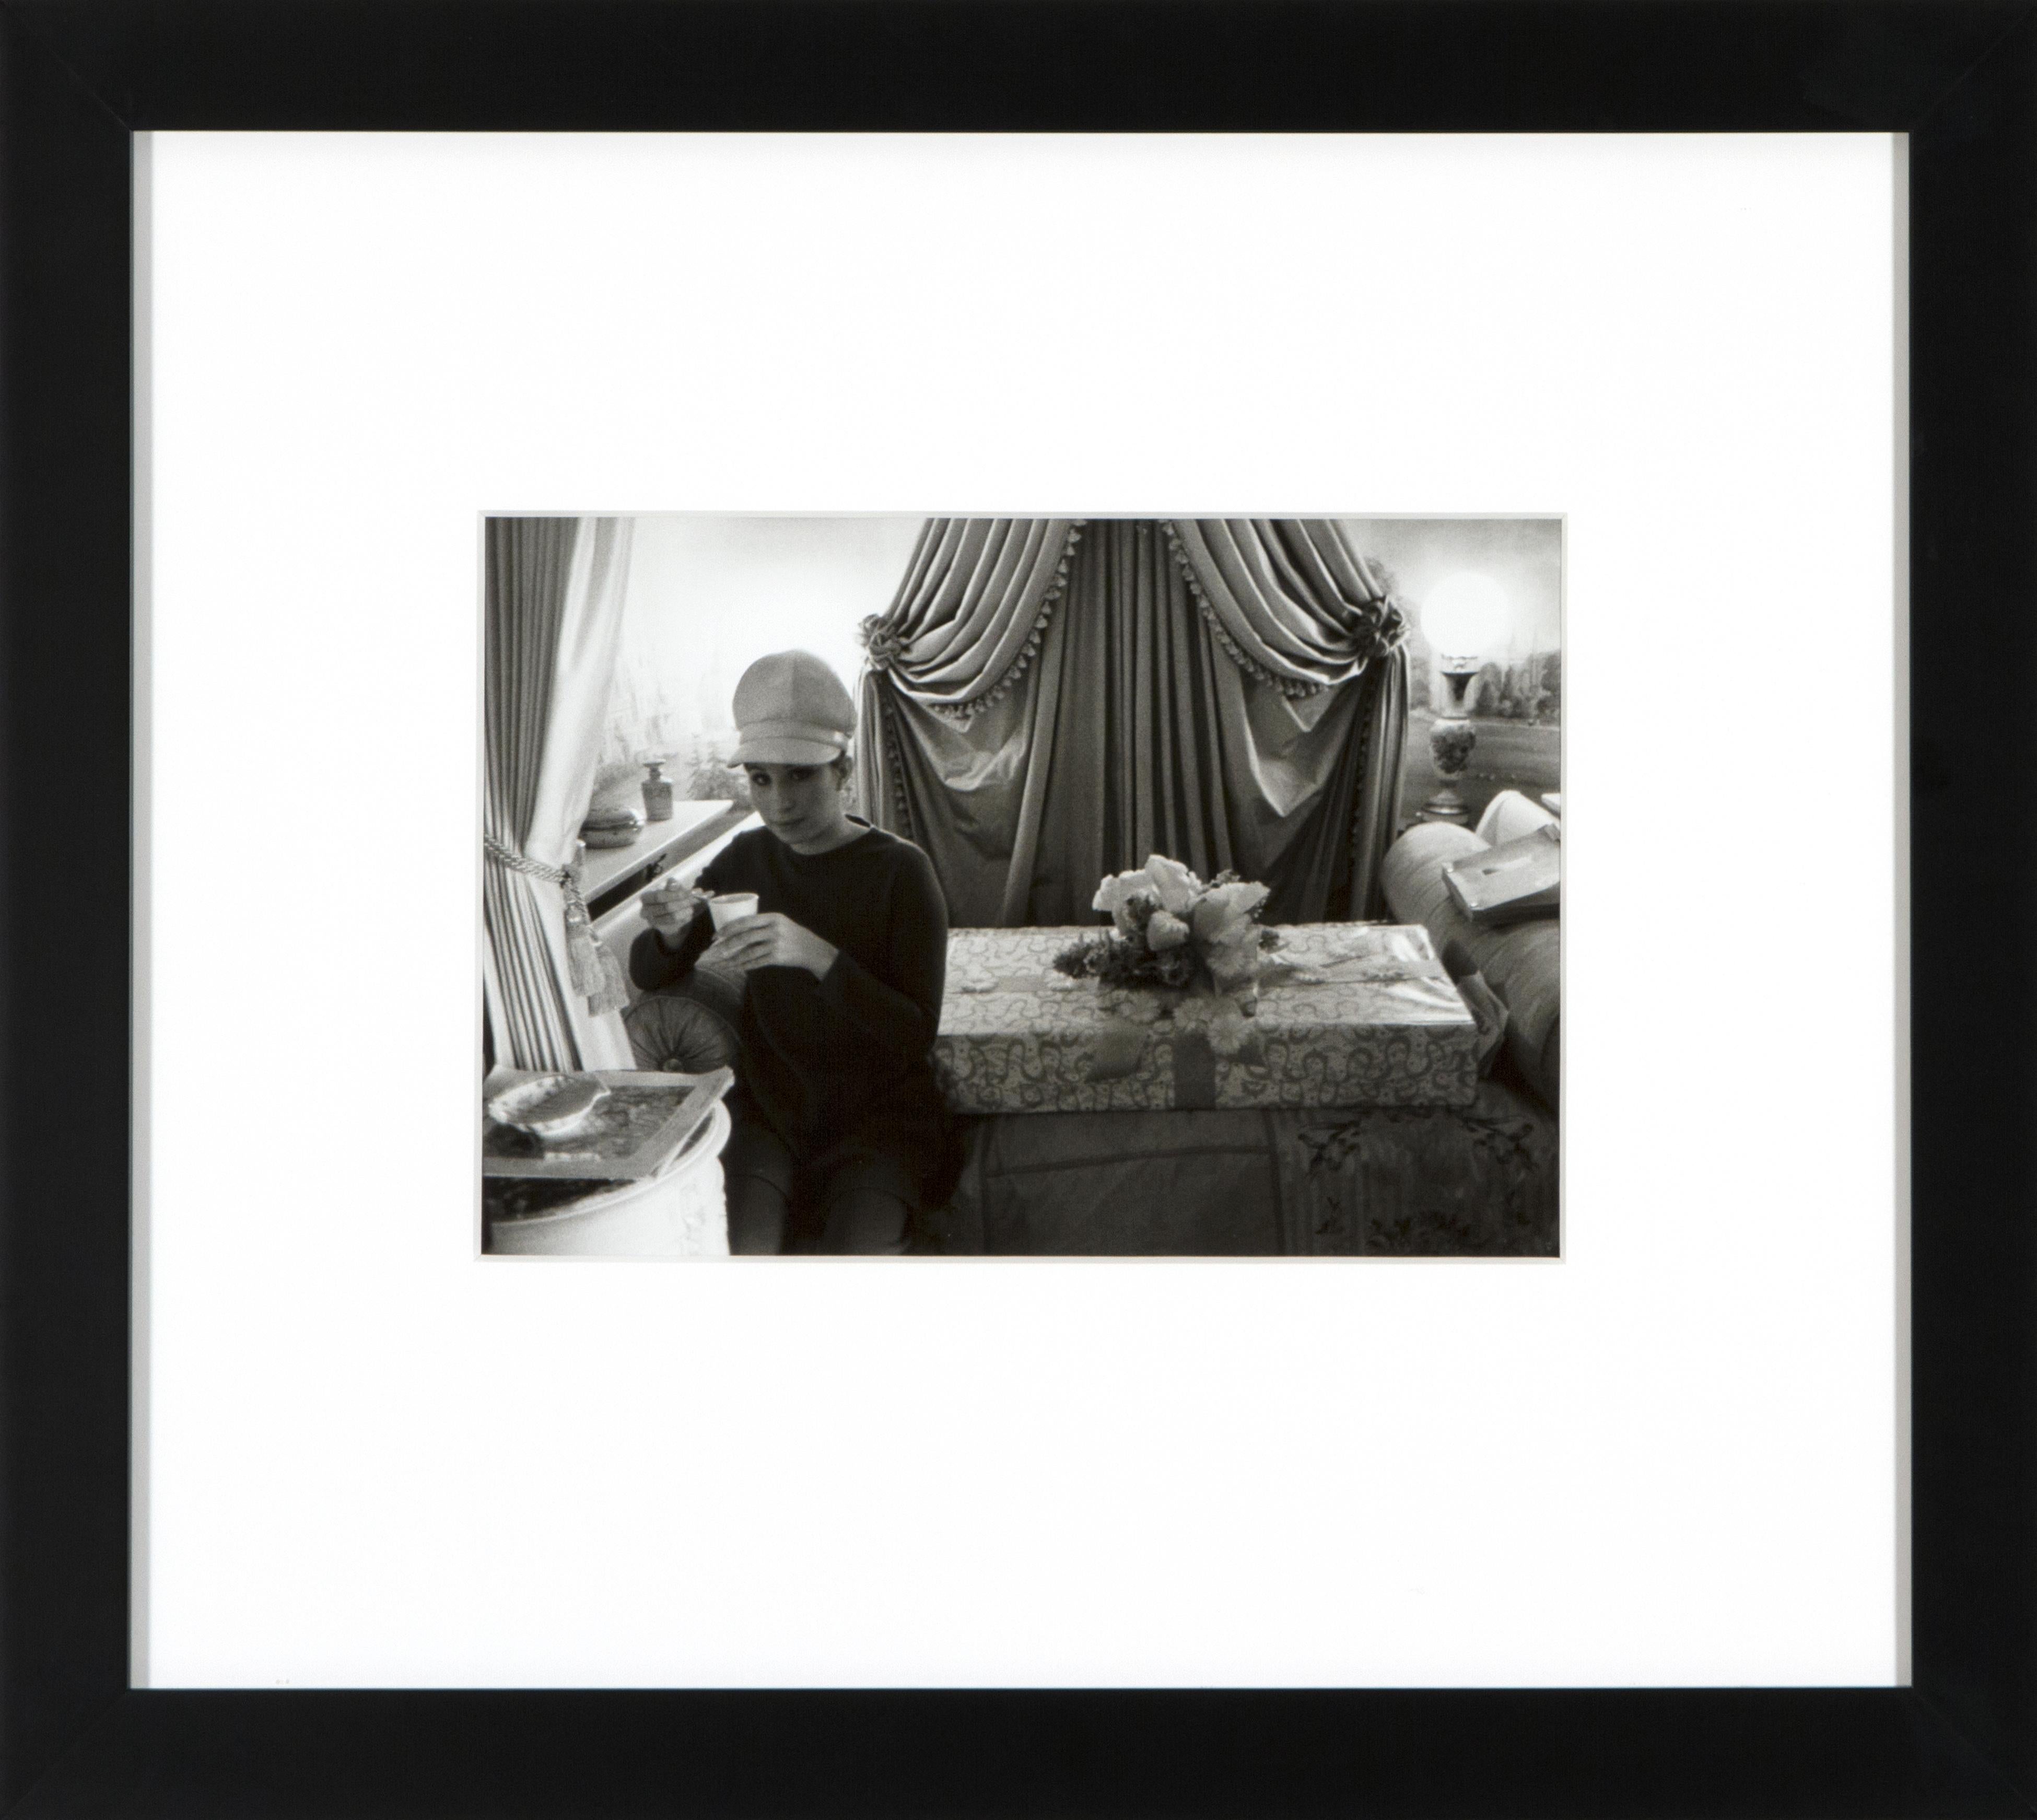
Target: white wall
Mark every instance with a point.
(708, 595)
(1523, 555)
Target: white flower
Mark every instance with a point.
(1225, 907)
(1235, 945)
(1242, 895)
(1118, 894)
(1233, 957)
(1134, 1007)
(1220, 1018)
(1176, 887)
(1166, 930)
(1228, 1031)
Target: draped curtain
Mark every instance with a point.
(554, 594)
(1047, 701)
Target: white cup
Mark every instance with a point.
(726, 908)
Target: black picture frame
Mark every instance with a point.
(78, 77)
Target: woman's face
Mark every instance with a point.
(802, 805)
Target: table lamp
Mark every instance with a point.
(1462, 617)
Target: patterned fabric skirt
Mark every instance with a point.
(1476, 1181)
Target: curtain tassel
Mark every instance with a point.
(597, 974)
(594, 972)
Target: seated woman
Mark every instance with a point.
(840, 1137)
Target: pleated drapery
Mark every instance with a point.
(1231, 692)
(969, 614)
(1288, 598)
(554, 593)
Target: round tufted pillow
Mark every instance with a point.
(689, 1028)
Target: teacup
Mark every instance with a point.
(729, 906)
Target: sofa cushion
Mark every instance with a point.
(1509, 816)
(1521, 963)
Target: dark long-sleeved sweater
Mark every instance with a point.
(846, 1058)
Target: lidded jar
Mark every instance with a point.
(657, 792)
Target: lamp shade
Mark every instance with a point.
(1464, 616)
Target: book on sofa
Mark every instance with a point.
(1511, 882)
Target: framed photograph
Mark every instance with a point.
(1140, 898)
(1269, 510)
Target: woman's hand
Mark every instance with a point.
(769, 940)
(669, 909)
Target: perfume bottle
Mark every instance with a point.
(657, 792)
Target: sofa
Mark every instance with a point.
(1520, 962)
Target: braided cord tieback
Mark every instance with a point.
(597, 974)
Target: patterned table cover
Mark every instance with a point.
(1349, 1014)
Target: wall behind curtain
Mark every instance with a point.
(1523, 555)
(708, 595)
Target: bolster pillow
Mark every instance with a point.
(1510, 816)
(1521, 962)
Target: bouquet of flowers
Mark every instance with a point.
(1174, 934)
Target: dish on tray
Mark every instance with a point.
(548, 1106)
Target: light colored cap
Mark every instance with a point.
(790, 709)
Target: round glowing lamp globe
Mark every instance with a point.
(1462, 617)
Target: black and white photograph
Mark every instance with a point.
(939, 635)
(1011, 887)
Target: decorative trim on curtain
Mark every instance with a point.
(877, 708)
(1289, 599)
(1380, 764)
(555, 597)
(968, 617)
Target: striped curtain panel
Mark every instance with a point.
(554, 589)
